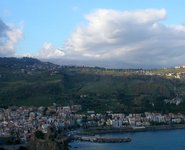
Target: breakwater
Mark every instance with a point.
(101, 139)
(160, 140)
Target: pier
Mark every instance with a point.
(101, 139)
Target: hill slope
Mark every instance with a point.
(28, 81)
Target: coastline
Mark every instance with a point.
(105, 130)
(154, 140)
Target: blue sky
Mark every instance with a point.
(49, 24)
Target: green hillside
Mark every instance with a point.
(28, 81)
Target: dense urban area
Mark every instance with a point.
(23, 121)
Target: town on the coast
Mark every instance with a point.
(23, 121)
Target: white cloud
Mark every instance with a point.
(10, 35)
(135, 37)
(48, 51)
(107, 29)
(113, 38)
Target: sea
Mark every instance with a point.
(153, 140)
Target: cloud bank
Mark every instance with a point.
(113, 38)
(10, 35)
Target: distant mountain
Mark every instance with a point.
(25, 62)
(28, 81)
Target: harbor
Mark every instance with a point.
(162, 139)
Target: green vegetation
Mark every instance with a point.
(28, 81)
(39, 135)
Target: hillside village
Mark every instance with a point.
(31, 66)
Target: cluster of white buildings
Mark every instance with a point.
(23, 121)
(134, 120)
(175, 101)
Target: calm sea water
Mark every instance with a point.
(158, 140)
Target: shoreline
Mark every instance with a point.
(106, 130)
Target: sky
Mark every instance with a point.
(105, 33)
